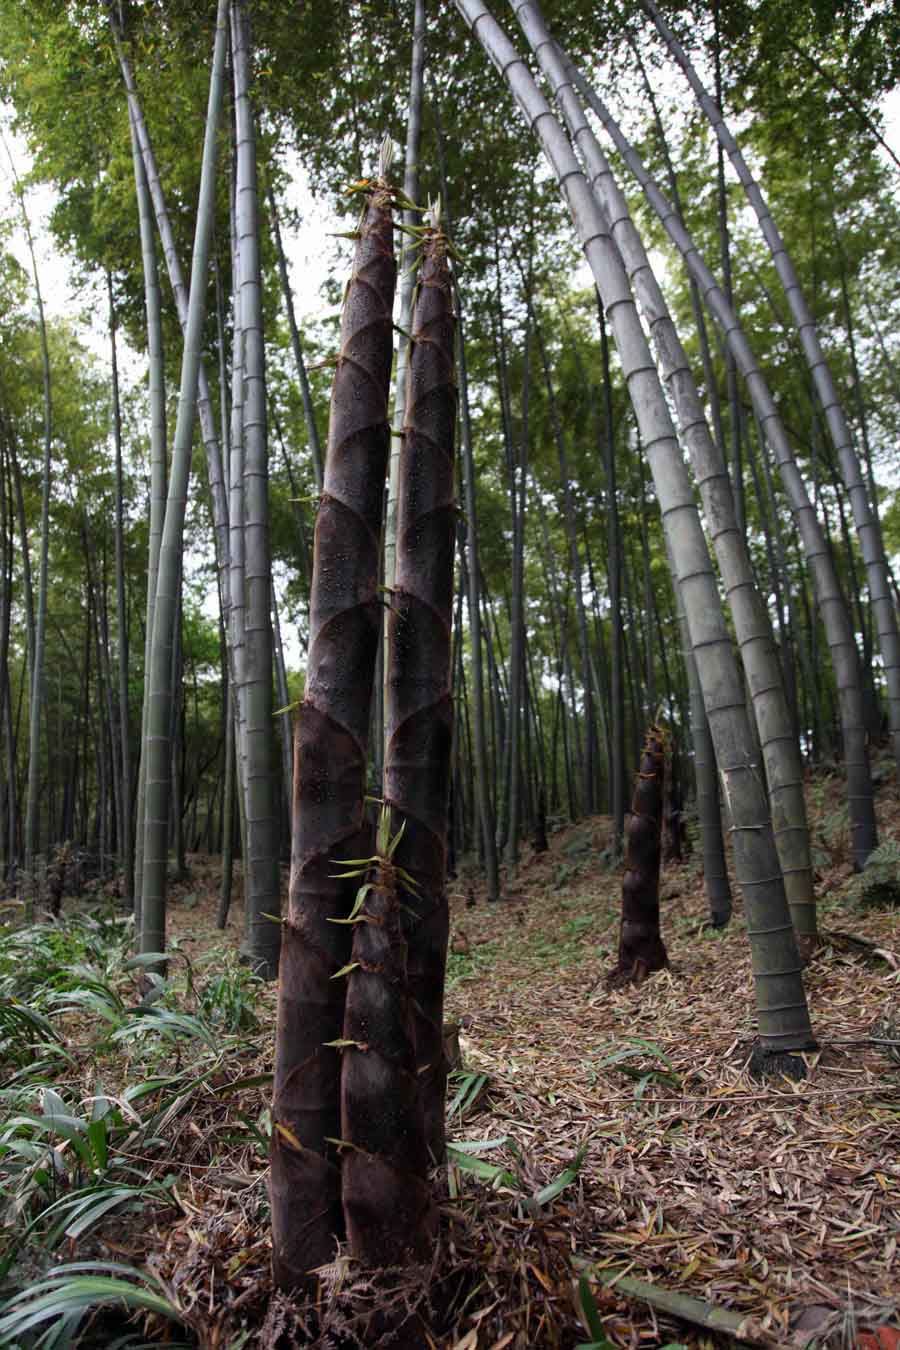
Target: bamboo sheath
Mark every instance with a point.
(330, 756)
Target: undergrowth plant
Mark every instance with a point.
(100, 1061)
(54, 1309)
(653, 1069)
(831, 827)
(877, 886)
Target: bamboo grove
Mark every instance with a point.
(351, 661)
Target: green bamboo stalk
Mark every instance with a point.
(871, 544)
(158, 438)
(781, 1001)
(309, 412)
(411, 219)
(780, 749)
(205, 410)
(262, 900)
(833, 608)
(35, 704)
(158, 747)
(126, 837)
(470, 563)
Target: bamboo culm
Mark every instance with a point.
(780, 748)
(158, 472)
(866, 522)
(411, 219)
(781, 1001)
(473, 603)
(126, 837)
(36, 690)
(208, 431)
(262, 900)
(833, 608)
(157, 747)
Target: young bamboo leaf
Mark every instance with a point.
(565, 1178)
(345, 970)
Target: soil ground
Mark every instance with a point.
(778, 1201)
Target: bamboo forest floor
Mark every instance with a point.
(614, 1135)
(779, 1201)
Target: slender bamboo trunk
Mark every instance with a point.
(649, 655)
(309, 412)
(109, 686)
(599, 673)
(518, 490)
(237, 541)
(731, 373)
(304, 552)
(889, 364)
(157, 386)
(781, 1002)
(831, 601)
(262, 899)
(780, 751)
(36, 693)
(177, 742)
(559, 624)
(498, 328)
(587, 766)
(495, 701)
(209, 434)
(632, 655)
(866, 524)
(227, 815)
(614, 572)
(27, 584)
(126, 840)
(284, 716)
(411, 220)
(157, 748)
(858, 387)
(6, 551)
(473, 596)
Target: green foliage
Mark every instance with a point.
(62, 1301)
(877, 886)
(468, 965)
(591, 1316)
(73, 1153)
(568, 946)
(228, 1000)
(644, 1075)
(470, 1088)
(465, 1156)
